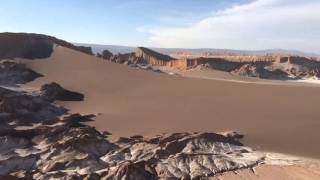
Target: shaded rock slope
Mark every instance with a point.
(54, 91)
(12, 73)
(32, 46)
(140, 56)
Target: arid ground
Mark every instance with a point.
(281, 117)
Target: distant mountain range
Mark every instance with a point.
(115, 49)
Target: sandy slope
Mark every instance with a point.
(268, 172)
(276, 117)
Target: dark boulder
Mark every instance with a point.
(106, 54)
(12, 73)
(54, 91)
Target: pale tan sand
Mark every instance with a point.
(268, 172)
(281, 118)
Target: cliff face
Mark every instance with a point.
(288, 67)
(265, 67)
(152, 57)
(32, 46)
(141, 56)
(260, 66)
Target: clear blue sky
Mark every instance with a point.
(101, 21)
(168, 23)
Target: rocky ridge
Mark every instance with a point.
(32, 46)
(277, 67)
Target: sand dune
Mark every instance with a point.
(282, 118)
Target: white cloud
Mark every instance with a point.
(261, 24)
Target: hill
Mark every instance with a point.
(127, 49)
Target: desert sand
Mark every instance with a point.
(273, 172)
(275, 117)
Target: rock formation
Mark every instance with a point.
(283, 69)
(142, 55)
(32, 46)
(106, 54)
(152, 57)
(266, 67)
(260, 71)
(127, 59)
(275, 67)
(12, 73)
(54, 91)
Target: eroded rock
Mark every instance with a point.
(32, 46)
(12, 73)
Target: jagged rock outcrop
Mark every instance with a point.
(54, 91)
(12, 73)
(261, 71)
(129, 58)
(181, 156)
(142, 55)
(106, 54)
(261, 66)
(26, 109)
(32, 46)
(285, 68)
(152, 57)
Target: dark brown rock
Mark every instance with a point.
(152, 57)
(12, 73)
(106, 54)
(54, 91)
(32, 46)
(28, 109)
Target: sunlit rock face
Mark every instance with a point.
(180, 156)
(140, 56)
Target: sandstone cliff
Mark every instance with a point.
(141, 56)
(152, 57)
